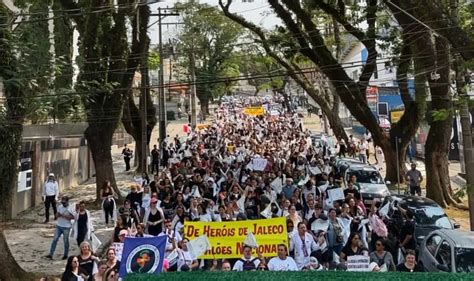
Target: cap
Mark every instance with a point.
(210, 179)
(51, 175)
(123, 232)
(372, 266)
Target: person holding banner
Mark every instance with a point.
(186, 262)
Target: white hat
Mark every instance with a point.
(51, 175)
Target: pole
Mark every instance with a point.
(161, 96)
(467, 149)
(193, 90)
(144, 126)
(398, 165)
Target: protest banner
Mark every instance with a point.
(336, 194)
(358, 263)
(254, 110)
(259, 164)
(143, 255)
(227, 238)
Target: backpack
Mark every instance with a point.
(338, 236)
(248, 265)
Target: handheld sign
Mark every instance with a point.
(320, 224)
(358, 263)
(336, 194)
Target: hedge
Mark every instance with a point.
(287, 276)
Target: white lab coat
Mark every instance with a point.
(90, 227)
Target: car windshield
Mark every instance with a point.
(432, 216)
(464, 259)
(368, 176)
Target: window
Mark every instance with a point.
(443, 256)
(432, 244)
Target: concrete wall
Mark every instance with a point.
(71, 165)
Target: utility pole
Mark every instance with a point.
(162, 13)
(192, 92)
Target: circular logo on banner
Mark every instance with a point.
(143, 259)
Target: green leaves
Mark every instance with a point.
(441, 114)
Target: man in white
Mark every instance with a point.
(50, 195)
(172, 234)
(282, 262)
(247, 263)
(303, 244)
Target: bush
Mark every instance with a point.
(306, 275)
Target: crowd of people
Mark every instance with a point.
(209, 177)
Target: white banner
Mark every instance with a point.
(358, 263)
(336, 194)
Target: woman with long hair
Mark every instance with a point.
(381, 256)
(108, 203)
(73, 272)
(101, 269)
(154, 218)
(353, 246)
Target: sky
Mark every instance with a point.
(258, 12)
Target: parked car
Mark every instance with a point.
(448, 250)
(372, 186)
(343, 163)
(428, 215)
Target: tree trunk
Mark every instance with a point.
(10, 268)
(204, 108)
(438, 184)
(336, 124)
(99, 139)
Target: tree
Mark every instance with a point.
(308, 37)
(12, 116)
(132, 114)
(211, 37)
(106, 70)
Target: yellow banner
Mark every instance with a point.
(227, 238)
(254, 110)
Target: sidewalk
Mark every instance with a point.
(30, 239)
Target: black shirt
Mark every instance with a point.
(155, 154)
(347, 250)
(87, 265)
(408, 229)
(401, 267)
(354, 192)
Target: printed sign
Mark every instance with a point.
(227, 238)
(336, 194)
(254, 110)
(395, 116)
(259, 164)
(358, 263)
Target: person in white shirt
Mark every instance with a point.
(362, 147)
(186, 262)
(172, 234)
(282, 262)
(303, 244)
(247, 263)
(50, 195)
(63, 227)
